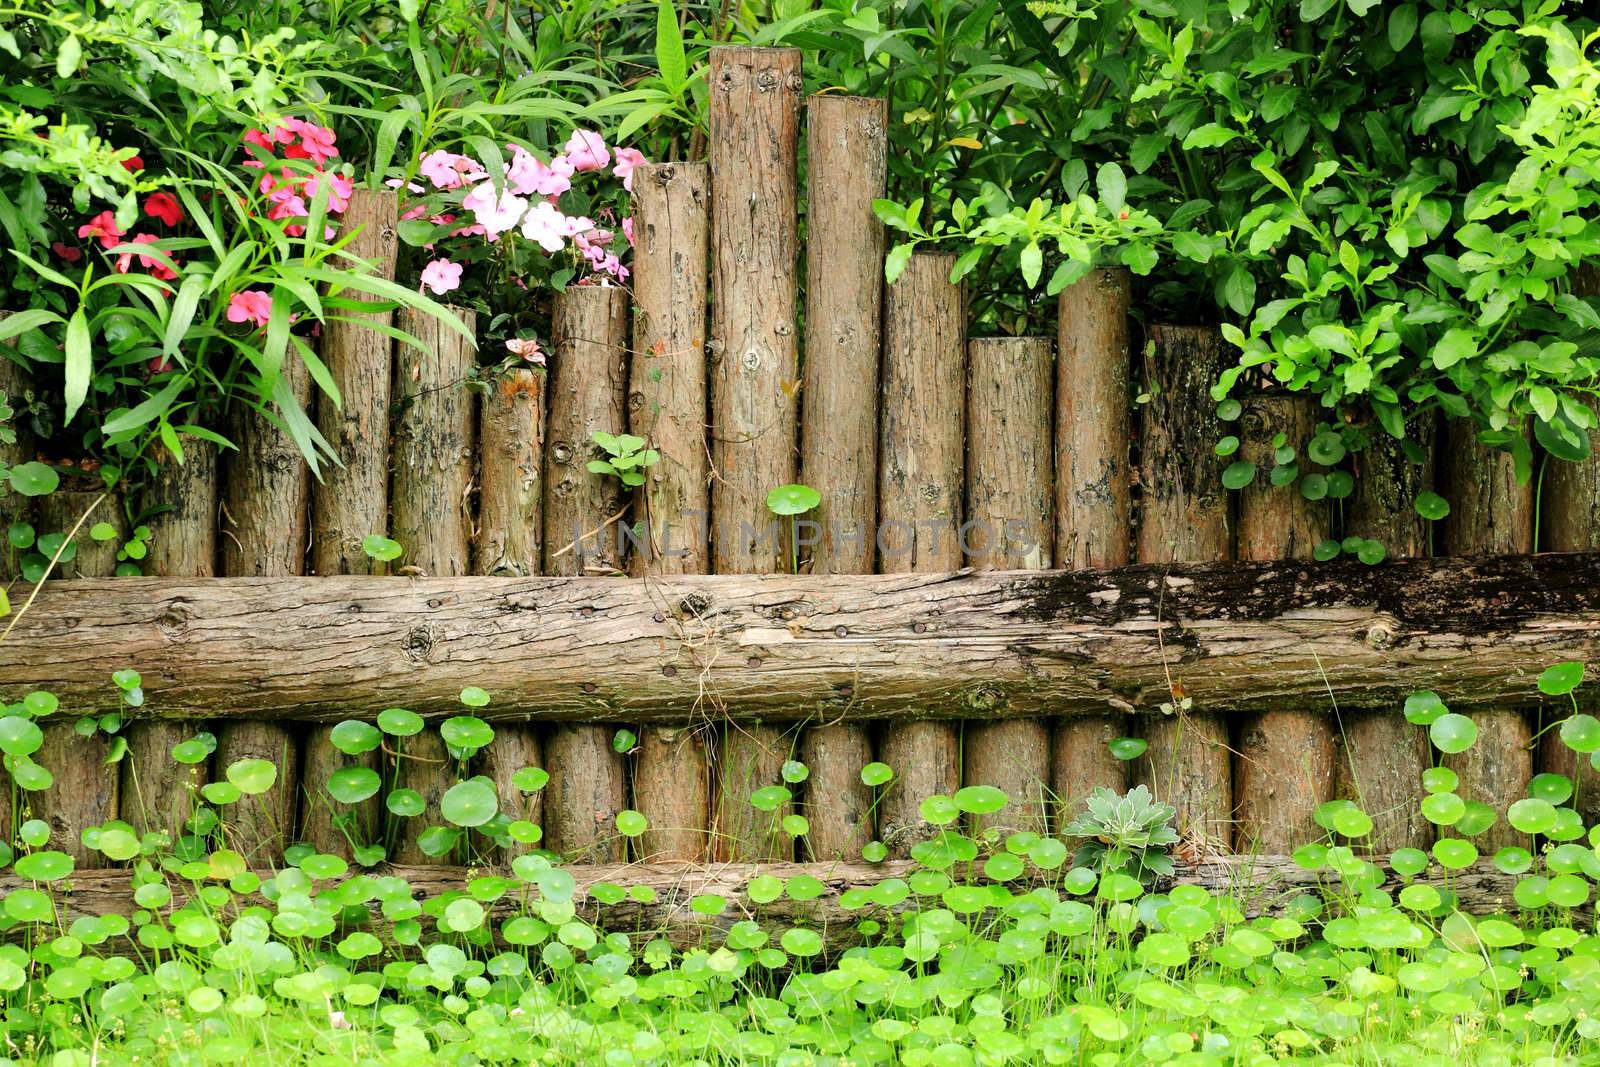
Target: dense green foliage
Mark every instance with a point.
(1000, 946)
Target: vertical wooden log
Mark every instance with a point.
(1384, 755)
(1185, 517)
(588, 393)
(511, 475)
(1094, 512)
(433, 439)
(847, 169)
(672, 788)
(1010, 526)
(184, 545)
(588, 389)
(1284, 759)
(667, 407)
(325, 824)
(510, 530)
(433, 444)
(919, 503)
(423, 763)
(266, 488)
(1490, 514)
(260, 827)
(585, 793)
(85, 789)
(516, 745)
(1571, 513)
(352, 500)
(508, 543)
(755, 378)
(59, 513)
(667, 379)
(755, 123)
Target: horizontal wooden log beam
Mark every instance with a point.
(1263, 885)
(781, 647)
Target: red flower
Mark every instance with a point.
(163, 206)
(103, 227)
(250, 305)
(66, 252)
(156, 267)
(133, 164)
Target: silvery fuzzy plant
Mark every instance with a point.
(1132, 833)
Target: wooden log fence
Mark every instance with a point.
(915, 617)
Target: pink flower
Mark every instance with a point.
(250, 305)
(66, 252)
(528, 176)
(104, 228)
(627, 229)
(441, 276)
(126, 253)
(586, 150)
(415, 211)
(546, 226)
(163, 206)
(446, 170)
(627, 159)
(337, 1021)
(339, 189)
(526, 348)
(316, 141)
(495, 214)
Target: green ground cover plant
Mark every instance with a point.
(1006, 946)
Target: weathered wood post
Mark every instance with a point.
(920, 481)
(84, 792)
(507, 543)
(1010, 526)
(667, 406)
(847, 144)
(1284, 760)
(755, 379)
(1490, 514)
(1384, 755)
(1094, 512)
(1571, 514)
(588, 394)
(266, 486)
(1185, 516)
(154, 793)
(352, 500)
(433, 445)
(507, 540)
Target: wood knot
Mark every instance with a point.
(562, 453)
(175, 620)
(635, 401)
(727, 80)
(1381, 634)
(783, 329)
(664, 174)
(417, 645)
(751, 359)
(767, 81)
(695, 604)
(985, 698)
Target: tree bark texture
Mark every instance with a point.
(434, 440)
(847, 168)
(516, 745)
(1093, 429)
(755, 129)
(266, 491)
(1284, 758)
(780, 647)
(352, 500)
(1185, 516)
(667, 376)
(585, 792)
(506, 542)
(1489, 513)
